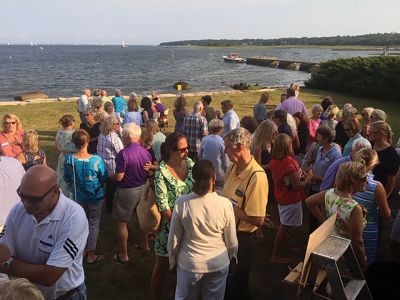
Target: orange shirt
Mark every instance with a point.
(11, 148)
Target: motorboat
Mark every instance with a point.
(233, 57)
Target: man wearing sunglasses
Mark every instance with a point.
(44, 237)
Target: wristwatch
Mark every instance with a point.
(7, 264)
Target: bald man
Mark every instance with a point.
(44, 237)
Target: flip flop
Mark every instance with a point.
(97, 259)
(139, 247)
(116, 257)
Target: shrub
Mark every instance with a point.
(376, 76)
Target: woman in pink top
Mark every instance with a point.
(315, 120)
(11, 136)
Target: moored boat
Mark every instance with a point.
(233, 57)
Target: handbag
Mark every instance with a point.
(147, 210)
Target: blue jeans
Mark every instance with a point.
(80, 294)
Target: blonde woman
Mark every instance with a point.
(262, 142)
(366, 120)
(374, 200)
(31, 154)
(380, 135)
(331, 114)
(158, 137)
(11, 136)
(350, 178)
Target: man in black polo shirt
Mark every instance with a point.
(280, 118)
(93, 128)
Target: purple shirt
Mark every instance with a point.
(131, 161)
(293, 105)
(330, 174)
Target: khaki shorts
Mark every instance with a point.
(125, 201)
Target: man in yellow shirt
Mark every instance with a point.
(246, 185)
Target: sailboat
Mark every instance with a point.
(123, 45)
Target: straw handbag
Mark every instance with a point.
(147, 210)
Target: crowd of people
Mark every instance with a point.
(218, 180)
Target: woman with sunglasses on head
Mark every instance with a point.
(350, 179)
(11, 136)
(172, 179)
(86, 175)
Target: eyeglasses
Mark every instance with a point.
(182, 150)
(10, 123)
(33, 199)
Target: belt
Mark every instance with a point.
(68, 294)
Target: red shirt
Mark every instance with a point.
(284, 192)
(11, 148)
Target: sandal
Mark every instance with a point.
(116, 257)
(96, 259)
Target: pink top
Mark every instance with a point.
(313, 126)
(11, 148)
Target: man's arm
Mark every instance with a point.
(40, 274)
(241, 214)
(119, 176)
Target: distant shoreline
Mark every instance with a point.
(75, 98)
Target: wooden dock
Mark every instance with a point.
(274, 62)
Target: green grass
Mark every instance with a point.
(109, 280)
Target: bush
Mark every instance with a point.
(376, 76)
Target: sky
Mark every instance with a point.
(150, 22)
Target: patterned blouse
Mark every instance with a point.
(343, 206)
(168, 188)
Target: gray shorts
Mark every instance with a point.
(125, 201)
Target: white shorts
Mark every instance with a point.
(291, 215)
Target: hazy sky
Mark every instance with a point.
(139, 22)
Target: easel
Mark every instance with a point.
(321, 262)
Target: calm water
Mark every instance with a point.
(63, 71)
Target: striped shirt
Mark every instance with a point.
(196, 127)
(108, 147)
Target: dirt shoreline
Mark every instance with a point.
(71, 99)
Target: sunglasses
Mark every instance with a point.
(10, 123)
(33, 199)
(347, 129)
(116, 124)
(182, 150)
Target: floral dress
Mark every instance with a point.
(168, 189)
(343, 206)
(65, 146)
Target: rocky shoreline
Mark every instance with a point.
(75, 98)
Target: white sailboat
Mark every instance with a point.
(123, 45)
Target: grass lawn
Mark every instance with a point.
(109, 280)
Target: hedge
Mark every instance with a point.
(375, 76)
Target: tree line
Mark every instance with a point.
(373, 39)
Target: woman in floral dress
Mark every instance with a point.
(350, 222)
(172, 179)
(65, 146)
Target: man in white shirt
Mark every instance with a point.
(11, 172)
(44, 237)
(231, 119)
(83, 104)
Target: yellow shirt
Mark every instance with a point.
(256, 193)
